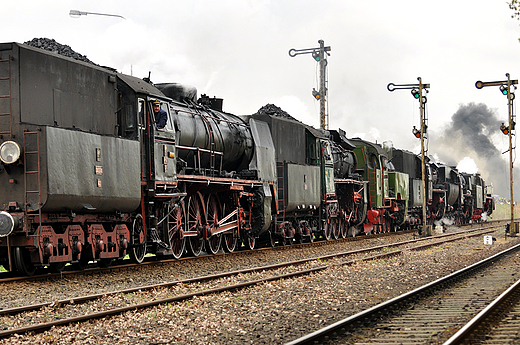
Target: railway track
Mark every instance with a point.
(120, 301)
(497, 324)
(430, 314)
(153, 260)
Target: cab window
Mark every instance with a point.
(164, 106)
(140, 113)
(374, 161)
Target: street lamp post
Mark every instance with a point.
(77, 14)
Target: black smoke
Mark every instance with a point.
(470, 134)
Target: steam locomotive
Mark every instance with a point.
(451, 197)
(88, 176)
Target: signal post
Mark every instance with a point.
(320, 55)
(506, 87)
(417, 93)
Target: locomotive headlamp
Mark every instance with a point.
(6, 224)
(10, 152)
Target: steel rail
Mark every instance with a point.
(45, 326)
(464, 334)
(81, 299)
(153, 260)
(385, 306)
(127, 264)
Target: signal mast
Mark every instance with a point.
(506, 87)
(320, 55)
(417, 93)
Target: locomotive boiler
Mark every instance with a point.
(345, 162)
(208, 129)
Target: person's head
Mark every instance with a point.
(156, 106)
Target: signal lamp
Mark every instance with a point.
(316, 56)
(503, 89)
(316, 94)
(416, 132)
(415, 93)
(504, 129)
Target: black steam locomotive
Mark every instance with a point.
(87, 175)
(451, 197)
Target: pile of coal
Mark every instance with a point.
(53, 46)
(273, 110)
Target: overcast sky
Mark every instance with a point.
(238, 50)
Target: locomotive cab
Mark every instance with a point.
(136, 120)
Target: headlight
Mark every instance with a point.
(10, 152)
(6, 224)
